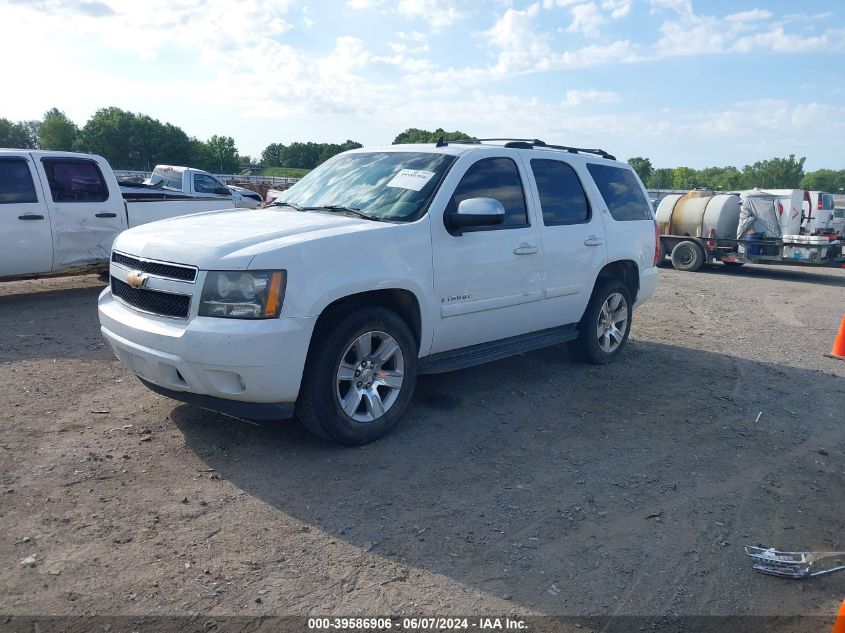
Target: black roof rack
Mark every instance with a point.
(529, 143)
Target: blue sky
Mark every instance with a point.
(683, 82)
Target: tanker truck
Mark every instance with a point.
(754, 226)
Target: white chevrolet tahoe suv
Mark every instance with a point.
(379, 265)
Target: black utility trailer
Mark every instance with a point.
(691, 253)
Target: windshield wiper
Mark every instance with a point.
(292, 205)
(336, 208)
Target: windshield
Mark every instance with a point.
(168, 178)
(383, 185)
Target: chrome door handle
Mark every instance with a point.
(525, 249)
(593, 241)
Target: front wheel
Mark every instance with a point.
(604, 328)
(359, 377)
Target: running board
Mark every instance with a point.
(486, 352)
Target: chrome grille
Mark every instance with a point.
(153, 301)
(159, 269)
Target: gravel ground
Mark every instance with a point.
(530, 485)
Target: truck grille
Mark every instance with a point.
(153, 301)
(159, 269)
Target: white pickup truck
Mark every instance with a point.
(169, 182)
(60, 211)
(379, 265)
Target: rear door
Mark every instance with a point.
(574, 247)
(625, 211)
(26, 242)
(86, 216)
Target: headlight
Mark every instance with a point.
(243, 294)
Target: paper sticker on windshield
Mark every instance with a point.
(414, 179)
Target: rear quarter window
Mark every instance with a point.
(621, 191)
(75, 180)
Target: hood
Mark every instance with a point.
(228, 240)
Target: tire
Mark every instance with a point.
(329, 381)
(687, 256)
(593, 333)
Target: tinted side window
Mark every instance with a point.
(75, 181)
(621, 192)
(562, 198)
(496, 178)
(16, 184)
(205, 184)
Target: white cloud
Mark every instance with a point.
(550, 4)
(689, 33)
(576, 98)
(617, 8)
(586, 19)
(436, 13)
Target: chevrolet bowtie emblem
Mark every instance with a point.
(136, 279)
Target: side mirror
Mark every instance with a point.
(223, 191)
(478, 212)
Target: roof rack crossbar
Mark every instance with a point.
(533, 142)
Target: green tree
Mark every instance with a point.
(642, 166)
(416, 135)
(683, 178)
(272, 155)
(824, 180)
(660, 179)
(302, 155)
(109, 133)
(775, 173)
(57, 131)
(720, 178)
(221, 155)
(19, 134)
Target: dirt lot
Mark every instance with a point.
(530, 485)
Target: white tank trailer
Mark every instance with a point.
(699, 214)
(701, 227)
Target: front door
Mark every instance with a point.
(86, 217)
(26, 242)
(488, 280)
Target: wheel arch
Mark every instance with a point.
(400, 300)
(625, 270)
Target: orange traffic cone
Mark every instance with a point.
(838, 350)
(839, 625)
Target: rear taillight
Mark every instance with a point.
(656, 244)
(780, 209)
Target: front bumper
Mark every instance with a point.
(220, 364)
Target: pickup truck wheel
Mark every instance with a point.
(359, 379)
(687, 256)
(603, 330)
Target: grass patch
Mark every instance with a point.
(284, 172)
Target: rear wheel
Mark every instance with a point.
(359, 379)
(687, 256)
(604, 328)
